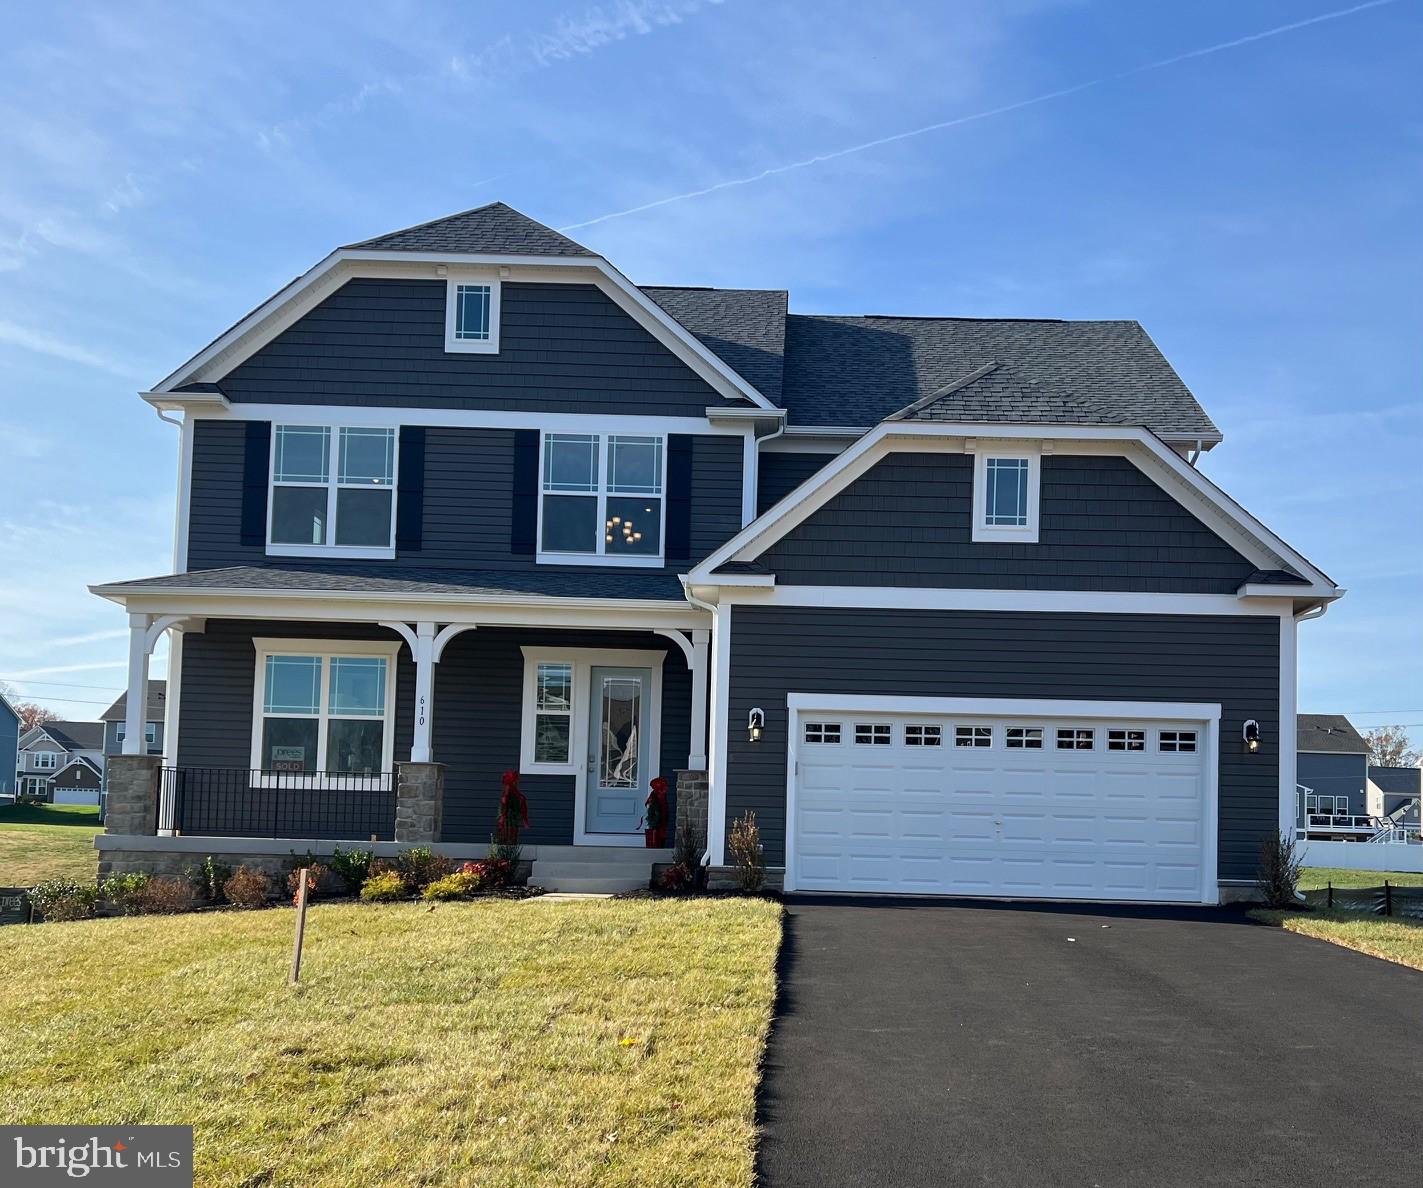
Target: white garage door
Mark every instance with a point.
(1013, 806)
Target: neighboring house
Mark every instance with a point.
(945, 602)
(115, 727)
(79, 781)
(9, 747)
(49, 749)
(1396, 794)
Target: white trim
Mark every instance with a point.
(290, 303)
(182, 518)
(85, 761)
(1288, 756)
(384, 416)
(471, 277)
(584, 660)
(783, 443)
(326, 649)
(333, 486)
(1206, 714)
(720, 725)
(1027, 533)
(36, 765)
(1222, 514)
(601, 495)
(759, 590)
(750, 476)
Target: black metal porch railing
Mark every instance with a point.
(238, 802)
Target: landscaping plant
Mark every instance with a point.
(354, 866)
(1280, 865)
(248, 888)
(124, 892)
(421, 866)
(460, 885)
(385, 887)
(748, 860)
(64, 899)
(165, 896)
(209, 878)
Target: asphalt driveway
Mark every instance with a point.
(944, 1044)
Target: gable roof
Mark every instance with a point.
(72, 736)
(1328, 732)
(85, 766)
(745, 328)
(494, 229)
(157, 703)
(860, 370)
(1398, 781)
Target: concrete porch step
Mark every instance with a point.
(595, 868)
(591, 886)
(630, 855)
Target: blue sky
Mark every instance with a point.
(168, 166)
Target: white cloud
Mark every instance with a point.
(43, 343)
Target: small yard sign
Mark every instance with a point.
(15, 905)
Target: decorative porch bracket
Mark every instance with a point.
(695, 650)
(144, 632)
(427, 645)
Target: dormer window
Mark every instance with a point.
(472, 314)
(1005, 495)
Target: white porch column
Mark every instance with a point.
(136, 707)
(697, 760)
(424, 651)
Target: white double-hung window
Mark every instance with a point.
(323, 706)
(601, 499)
(1005, 494)
(333, 492)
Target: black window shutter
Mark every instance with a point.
(256, 469)
(679, 497)
(524, 526)
(410, 491)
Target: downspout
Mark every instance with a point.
(1314, 612)
(705, 860)
(1195, 455)
(166, 419)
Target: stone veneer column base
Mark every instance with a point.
(692, 800)
(131, 807)
(419, 802)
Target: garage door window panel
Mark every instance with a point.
(875, 734)
(822, 733)
(973, 736)
(1177, 741)
(1024, 738)
(1126, 740)
(1074, 738)
(916, 735)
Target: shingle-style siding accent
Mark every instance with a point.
(1334, 775)
(478, 703)
(1230, 660)
(468, 502)
(476, 721)
(779, 473)
(1103, 526)
(562, 348)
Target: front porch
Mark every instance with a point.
(309, 730)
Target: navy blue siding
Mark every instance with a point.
(1334, 775)
(562, 348)
(1230, 660)
(478, 693)
(780, 473)
(9, 743)
(468, 501)
(1103, 526)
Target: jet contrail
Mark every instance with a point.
(1046, 97)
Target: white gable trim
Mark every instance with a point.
(290, 303)
(1159, 462)
(82, 761)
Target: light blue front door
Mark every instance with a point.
(618, 772)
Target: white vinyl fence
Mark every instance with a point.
(1382, 856)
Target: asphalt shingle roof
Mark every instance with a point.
(745, 328)
(859, 370)
(494, 228)
(1328, 732)
(1398, 781)
(76, 736)
(546, 581)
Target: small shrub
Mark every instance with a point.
(320, 881)
(1280, 866)
(421, 866)
(166, 896)
(493, 871)
(352, 866)
(748, 860)
(460, 885)
(208, 878)
(384, 888)
(124, 891)
(64, 899)
(247, 888)
(677, 878)
(687, 850)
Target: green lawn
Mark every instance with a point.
(47, 841)
(498, 1043)
(1314, 877)
(1391, 939)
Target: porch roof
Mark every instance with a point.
(544, 581)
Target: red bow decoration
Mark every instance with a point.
(655, 830)
(513, 810)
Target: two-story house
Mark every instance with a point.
(947, 602)
(61, 762)
(9, 747)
